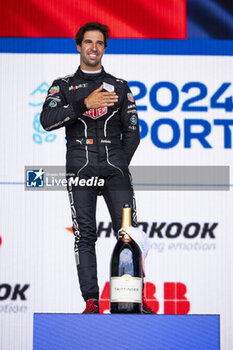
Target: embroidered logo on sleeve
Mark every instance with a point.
(54, 89)
(133, 120)
(130, 97)
(53, 104)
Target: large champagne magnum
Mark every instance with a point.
(126, 271)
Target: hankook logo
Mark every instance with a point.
(172, 236)
(13, 298)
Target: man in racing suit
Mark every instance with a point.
(99, 114)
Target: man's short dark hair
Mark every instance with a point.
(92, 26)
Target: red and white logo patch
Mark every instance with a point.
(96, 113)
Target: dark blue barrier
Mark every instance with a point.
(134, 332)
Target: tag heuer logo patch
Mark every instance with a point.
(96, 113)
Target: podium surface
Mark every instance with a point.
(136, 332)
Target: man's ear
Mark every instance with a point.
(79, 48)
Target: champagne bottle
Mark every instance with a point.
(126, 271)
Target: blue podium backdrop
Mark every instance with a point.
(149, 332)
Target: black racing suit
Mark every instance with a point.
(100, 142)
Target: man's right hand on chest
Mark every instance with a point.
(99, 99)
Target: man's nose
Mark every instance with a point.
(94, 46)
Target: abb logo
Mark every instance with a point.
(175, 301)
(0, 240)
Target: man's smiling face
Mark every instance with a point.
(91, 50)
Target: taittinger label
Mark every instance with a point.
(126, 289)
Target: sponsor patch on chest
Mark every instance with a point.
(76, 87)
(96, 113)
(108, 87)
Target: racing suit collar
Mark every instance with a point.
(90, 76)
